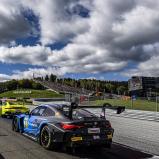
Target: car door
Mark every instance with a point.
(32, 121)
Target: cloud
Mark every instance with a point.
(4, 77)
(129, 30)
(149, 67)
(71, 58)
(30, 72)
(12, 22)
(100, 35)
(35, 55)
(59, 19)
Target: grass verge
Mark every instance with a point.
(137, 104)
(30, 94)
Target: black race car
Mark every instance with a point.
(68, 125)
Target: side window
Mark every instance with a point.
(75, 115)
(35, 111)
(41, 111)
(48, 112)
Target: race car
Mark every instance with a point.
(69, 125)
(9, 108)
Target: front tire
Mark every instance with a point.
(46, 138)
(15, 126)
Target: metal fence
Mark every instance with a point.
(148, 104)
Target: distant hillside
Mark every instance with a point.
(116, 87)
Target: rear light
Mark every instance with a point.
(109, 124)
(70, 126)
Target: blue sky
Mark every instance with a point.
(83, 39)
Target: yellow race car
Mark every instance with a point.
(9, 108)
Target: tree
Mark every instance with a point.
(11, 85)
(25, 83)
(52, 78)
(37, 86)
(121, 90)
(110, 87)
(46, 78)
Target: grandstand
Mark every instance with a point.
(62, 88)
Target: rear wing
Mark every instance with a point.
(68, 110)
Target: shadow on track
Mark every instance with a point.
(116, 152)
(1, 157)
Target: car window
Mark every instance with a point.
(41, 111)
(48, 112)
(81, 114)
(35, 111)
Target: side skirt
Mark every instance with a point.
(31, 137)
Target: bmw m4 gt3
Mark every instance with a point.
(67, 125)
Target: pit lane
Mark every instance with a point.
(16, 146)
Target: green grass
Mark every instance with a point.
(137, 104)
(33, 94)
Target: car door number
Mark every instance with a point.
(25, 122)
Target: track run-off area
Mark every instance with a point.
(133, 139)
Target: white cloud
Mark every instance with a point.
(106, 40)
(35, 55)
(29, 73)
(140, 26)
(12, 23)
(4, 77)
(149, 67)
(56, 21)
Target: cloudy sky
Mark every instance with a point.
(103, 39)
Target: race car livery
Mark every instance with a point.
(9, 108)
(68, 125)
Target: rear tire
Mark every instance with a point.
(15, 126)
(46, 137)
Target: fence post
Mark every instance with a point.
(131, 103)
(156, 103)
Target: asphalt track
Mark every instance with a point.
(16, 146)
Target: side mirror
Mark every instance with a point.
(74, 105)
(68, 109)
(27, 113)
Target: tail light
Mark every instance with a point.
(70, 126)
(109, 124)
